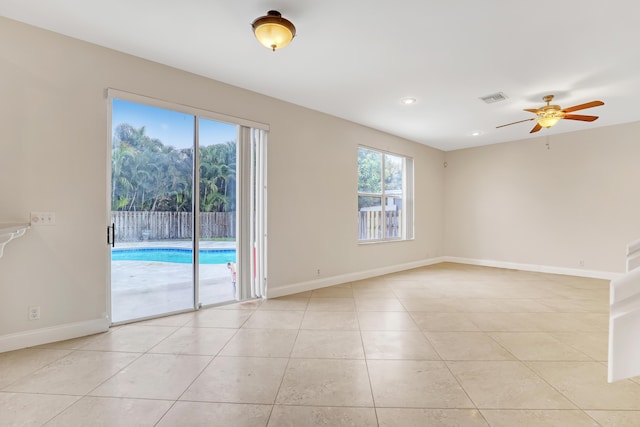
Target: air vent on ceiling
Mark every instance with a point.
(494, 97)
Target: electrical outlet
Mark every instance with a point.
(318, 272)
(43, 218)
(34, 313)
(581, 262)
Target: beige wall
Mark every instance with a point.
(53, 157)
(517, 202)
(526, 202)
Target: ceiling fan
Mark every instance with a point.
(549, 115)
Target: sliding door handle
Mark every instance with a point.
(111, 235)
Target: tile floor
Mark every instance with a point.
(446, 345)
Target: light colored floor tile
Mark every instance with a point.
(386, 321)
(537, 346)
(331, 304)
(261, 343)
(539, 418)
(362, 292)
(431, 305)
(210, 318)
(403, 293)
(238, 380)
(471, 316)
(378, 304)
(417, 384)
(342, 285)
(500, 305)
(285, 304)
(175, 320)
(506, 385)
(398, 345)
(133, 338)
(216, 415)
(154, 376)
(330, 320)
(576, 305)
(22, 409)
(321, 416)
(16, 364)
(197, 341)
(406, 284)
(328, 344)
(410, 417)
(75, 343)
(326, 382)
(585, 383)
(593, 344)
(572, 322)
(306, 294)
(505, 322)
(372, 282)
(112, 412)
(285, 319)
(369, 285)
(76, 374)
(616, 418)
(332, 292)
(243, 305)
(443, 322)
(467, 346)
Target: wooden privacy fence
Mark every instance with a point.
(370, 224)
(136, 226)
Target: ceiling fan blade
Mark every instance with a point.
(536, 128)
(521, 121)
(580, 117)
(532, 110)
(583, 106)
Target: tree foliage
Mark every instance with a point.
(148, 175)
(371, 176)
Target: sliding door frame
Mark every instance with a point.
(251, 189)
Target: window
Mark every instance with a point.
(385, 196)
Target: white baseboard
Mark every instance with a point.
(51, 334)
(595, 274)
(349, 277)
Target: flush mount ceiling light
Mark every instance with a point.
(273, 31)
(408, 101)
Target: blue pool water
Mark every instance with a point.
(182, 256)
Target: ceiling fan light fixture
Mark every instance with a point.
(549, 116)
(273, 31)
(547, 122)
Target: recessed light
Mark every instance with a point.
(408, 101)
(476, 133)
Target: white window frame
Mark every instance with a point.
(407, 217)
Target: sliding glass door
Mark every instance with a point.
(217, 211)
(151, 211)
(183, 220)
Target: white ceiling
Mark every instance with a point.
(356, 59)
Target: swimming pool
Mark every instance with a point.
(177, 255)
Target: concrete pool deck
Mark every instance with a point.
(146, 288)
